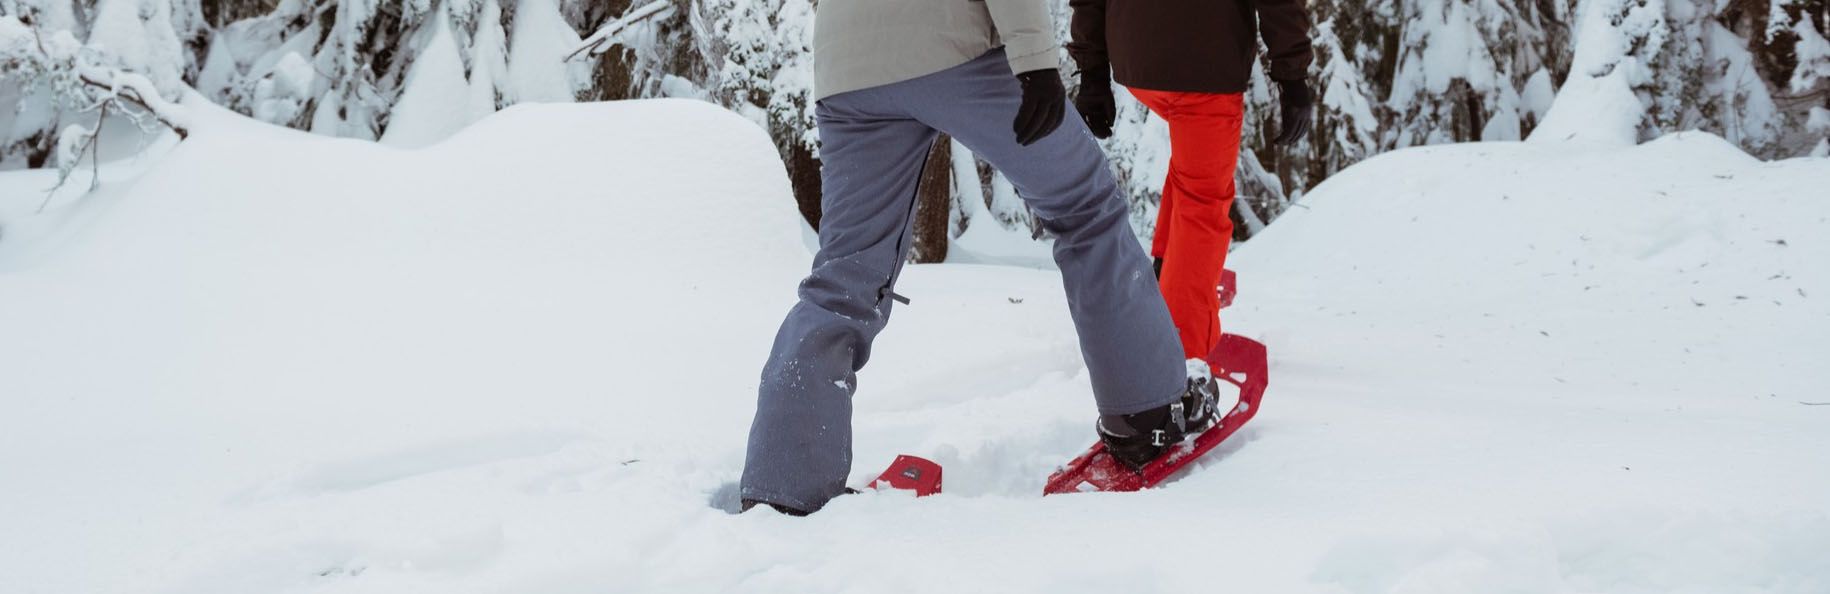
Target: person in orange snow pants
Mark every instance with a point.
(1190, 61)
(1193, 224)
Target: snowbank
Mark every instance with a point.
(1538, 367)
(263, 303)
(523, 360)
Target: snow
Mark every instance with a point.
(488, 63)
(1757, 120)
(1818, 122)
(1454, 50)
(601, 40)
(1504, 124)
(217, 76)
(1813, 54)
(524, 360)
(1343, 92)
(1538, 95)
(1615, 42)
(15, 36)
(279, 97)
(24, 118)
(137, 36)
(430, 109)
(537, 69)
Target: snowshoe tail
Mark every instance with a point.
(912, 473)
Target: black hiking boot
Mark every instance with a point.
(1136, 439)
(782, 509)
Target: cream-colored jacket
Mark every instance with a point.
(858, 44)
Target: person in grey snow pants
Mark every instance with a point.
(874, 141)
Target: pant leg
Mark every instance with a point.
(800, 441)
(1159, 239)
(1162, 106)
(1126, 335)
(1204, 131)
(1166, 204)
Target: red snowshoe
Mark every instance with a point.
(910, 473)
(1229, 288)
(1236, 360)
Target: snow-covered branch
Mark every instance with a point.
(600, 41)
(66, 76)
(82, 75)
(138, 91)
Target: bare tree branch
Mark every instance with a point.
(90, 145)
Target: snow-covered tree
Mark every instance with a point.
(538, 45)
(425, 112)
(74, 88)
(64, 64)
(1803, 25)
(1741, 70)
(1349, 125)
(1387, 75)
(142, 36)
(488, 63)
(758, 57)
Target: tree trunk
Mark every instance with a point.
(934, 204)
(804, 179)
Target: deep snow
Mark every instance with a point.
(524, 360)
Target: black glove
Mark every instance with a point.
(1095, 101)
(1298, 109)
(1044, 103)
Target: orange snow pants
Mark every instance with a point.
(1193, 223)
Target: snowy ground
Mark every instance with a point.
(524, 360)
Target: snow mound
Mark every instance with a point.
(1679, 258)
(524, 360)
(267, 268)
(261, 303)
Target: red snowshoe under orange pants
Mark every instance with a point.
(1193, 224)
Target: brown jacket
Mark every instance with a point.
(1203, 46)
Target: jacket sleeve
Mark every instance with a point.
(1284, 25)
(1028, 33)
(1088, 46)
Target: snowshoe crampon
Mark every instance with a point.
(1236, 360)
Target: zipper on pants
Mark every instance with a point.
(908, 228)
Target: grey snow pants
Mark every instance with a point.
(873, 144)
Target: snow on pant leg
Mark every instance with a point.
(800, 441)
(1204, 133)
(1126, 335)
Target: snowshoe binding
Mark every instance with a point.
(1236, 360)
(1136, 439)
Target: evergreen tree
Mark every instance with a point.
(1388, 75)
